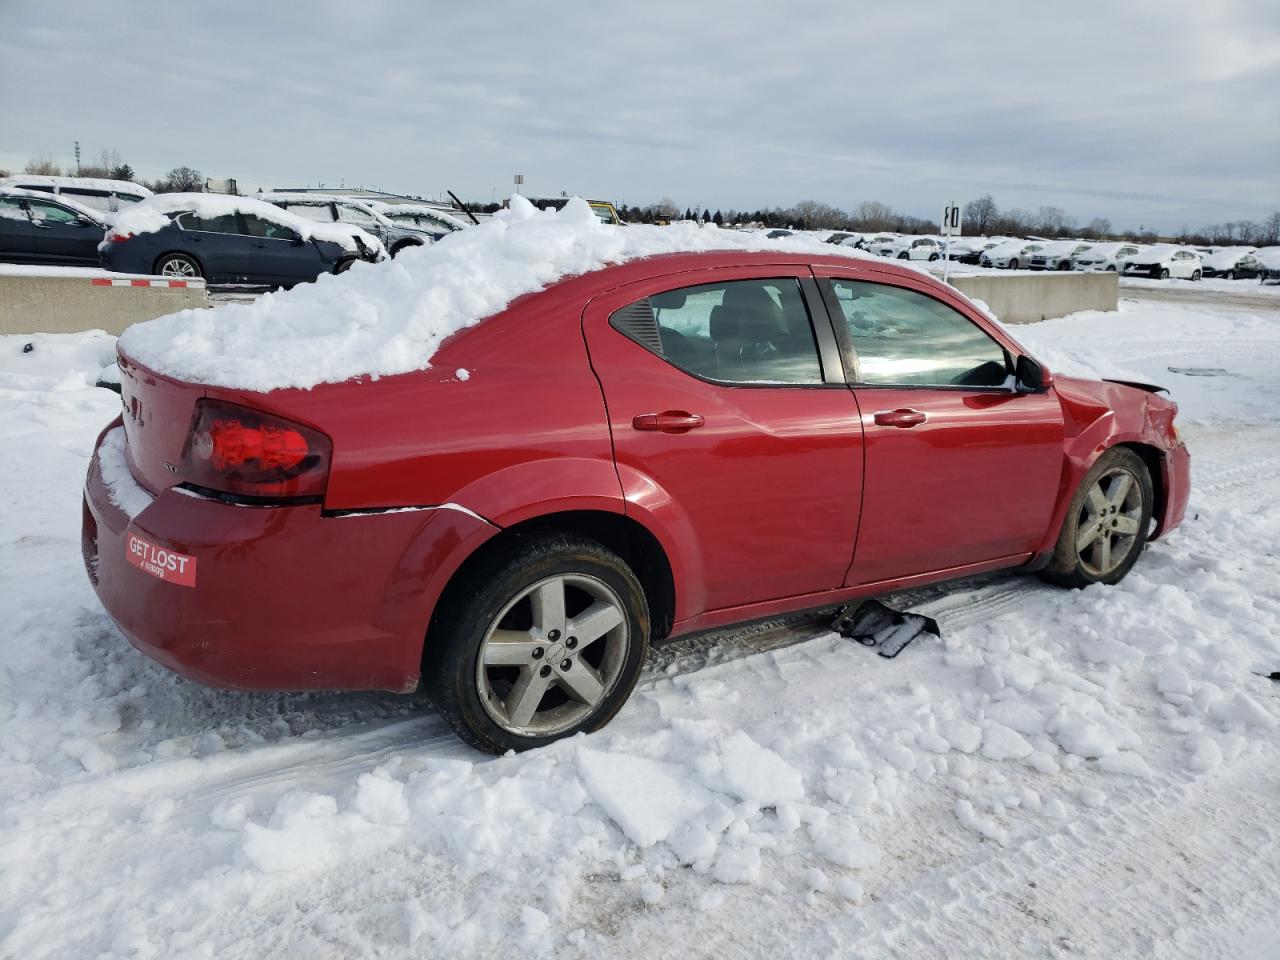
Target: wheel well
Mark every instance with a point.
(626, 537)
(1154, 461)
(155, 264)
(404, 244)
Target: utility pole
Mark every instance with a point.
(77, 158)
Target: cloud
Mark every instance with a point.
(1152, 112)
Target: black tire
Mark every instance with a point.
(1164, 274)
(191, 263)
(1196, 275)
(1013, 264)
(459, 628)
(1229, 275)
(1068, 567)
(1111, 268)
(1064, 265)
(933, 257)
(904, 255)
(343, 265)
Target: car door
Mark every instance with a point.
(61, 235)
(347, 213)
(277, 253)
(961, 469)
(219, 245)
(733, 427)
(16, 241)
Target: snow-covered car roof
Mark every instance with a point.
(66, 201)
(391, 317)
(1160, 251)
(1010, 246)
(87, 183)
(1102, 251)
(1056, 248)
(155, 213)
(417, 209)
(1270, 256)
(319, 199)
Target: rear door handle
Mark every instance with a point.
(670, 421)
(903, 417)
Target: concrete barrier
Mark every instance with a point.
(1032, 297)
(69, 299)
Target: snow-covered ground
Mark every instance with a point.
(1064, 774)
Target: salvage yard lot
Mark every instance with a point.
(1065, 773)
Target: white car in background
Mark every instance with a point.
(1232, 262)
(106, 197)
(920, 248)
(1165, 261)
(882, 244)
(1011, 255)
(1059, 254)
(1109, 257)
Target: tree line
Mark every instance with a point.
(109, 166)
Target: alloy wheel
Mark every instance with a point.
(178, 267)
(1110, 522)
(552, 655)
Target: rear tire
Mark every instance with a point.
(1106, 525)
(1013, 264)
(179, 266)
(1164, 274)
(1196, 275)
(500, 696)
(343, 265)
(904, 256)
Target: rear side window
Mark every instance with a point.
(11, 209)
(223, 224)
(904, 338)
(740, 331)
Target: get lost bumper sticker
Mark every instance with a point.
(160, 562)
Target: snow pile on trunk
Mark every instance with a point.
(392, 318)
(154, 214)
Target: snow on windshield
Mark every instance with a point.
(391, 318)
(152, 215)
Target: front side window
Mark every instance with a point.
(41, 210)
(262, 227)
(738, 331)
(904, 338)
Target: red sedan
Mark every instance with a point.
(647, 449)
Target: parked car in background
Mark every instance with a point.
(1058, 254)
(415, 216)
(396, 237)
(515, 543)
(1164, 261)
(1232, 263)
(40, 228)
(921, 248)
(1010, 255)
(107, 197)
(1269, 262)
(842, 236)
(230, 240)
(881, 244)
(1109, 257)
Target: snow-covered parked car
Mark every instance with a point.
(396, 236)
(505, 482)
(1058, 254)
(881, 244)
(418, 216)
(1010, 255)
(41, 228)
(230, 240)
(1165, 261)
(921, 248)
(1232, 263)
(1269, 263)
(1108, 257)
(106, 197)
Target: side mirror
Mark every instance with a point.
(1030, 376)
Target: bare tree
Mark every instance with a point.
(873, 215)
(1270, 230)
(980, 214)
(181, 180)
(1098, 228)
(43, 165)
(814, 215)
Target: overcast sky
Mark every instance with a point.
(1159, 113)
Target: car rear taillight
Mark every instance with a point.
(118, 237)
(247, 453)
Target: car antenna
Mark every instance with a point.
(465, 208)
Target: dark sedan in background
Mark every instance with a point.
(35, 228)
(247, 242)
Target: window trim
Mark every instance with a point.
(853, 364)
(826, 348)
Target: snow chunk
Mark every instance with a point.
(1002, 743)
(737, 864)
(840, 841)
(754, 772)
(647, 799)
(391, 317)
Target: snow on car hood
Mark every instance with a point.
(152, 215)
(391, 317)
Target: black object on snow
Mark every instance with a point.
(873, 624)
(28, 347)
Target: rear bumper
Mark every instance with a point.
(1176, 470)
(285, 598)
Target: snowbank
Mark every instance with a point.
(392, 319)
(152, 215)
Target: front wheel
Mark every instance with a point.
(1106, 524)
(540, 643)
(1164, 274)
(1013, 264)
(904, 256)
(179, 266)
